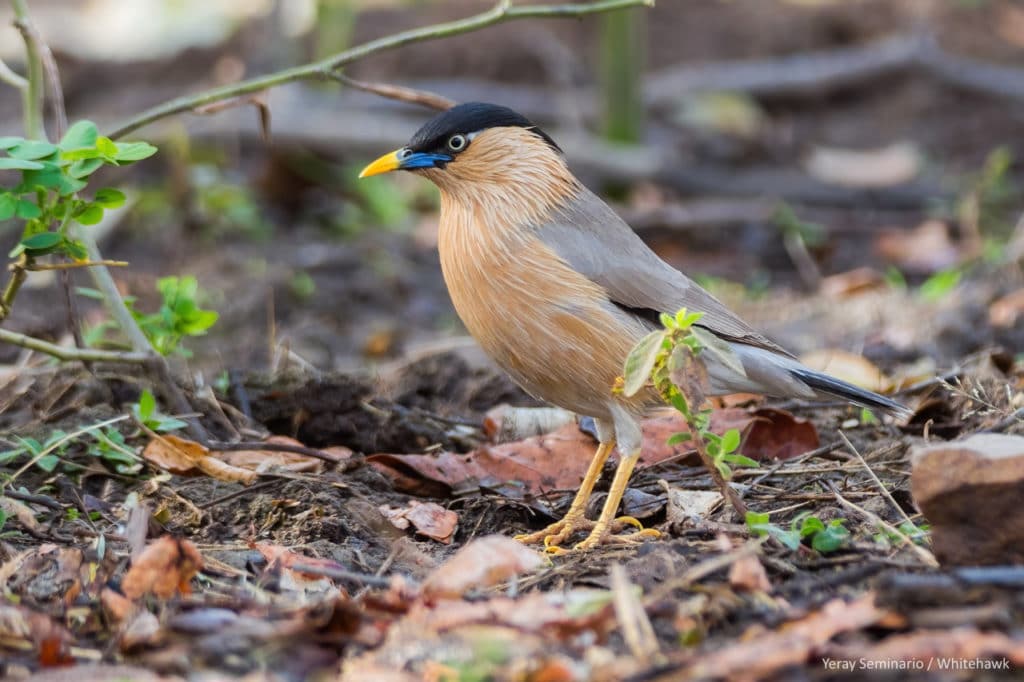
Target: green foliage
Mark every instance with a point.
(147, 414)
(824, 537)
(49, 451)
(224, 207)
(917, 534)
(179, 316)
(940, 284)
(663, 358)
(52, 175)
(789, 223)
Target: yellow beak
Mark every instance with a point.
(384, 164)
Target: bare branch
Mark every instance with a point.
(503, 11)
(398, 92)
(68, 354)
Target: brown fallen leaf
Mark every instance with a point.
(759, 657)
(20, 511)
(186, 457)
(1007, 311)
(747, 574)
(428, 518)
(924, 250)
(262, 461)
(484, 562)
(850, 367)
(283, 562)
(557, 461)
(163, 569)
(852, 282)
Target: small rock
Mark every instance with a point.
(971, 491)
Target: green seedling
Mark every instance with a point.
(666, 359)
(146, 413)
(824, 537)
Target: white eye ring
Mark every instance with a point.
(457, 143)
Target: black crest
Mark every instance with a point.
(470, 118)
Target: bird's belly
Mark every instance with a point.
(550, 328)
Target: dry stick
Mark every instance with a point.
(70, 354)
(501, 12)
(926, 556)
(704, 569)
(398, 92)
(874, 477)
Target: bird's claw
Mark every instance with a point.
(560, 531)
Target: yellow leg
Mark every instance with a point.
(574, 520)
(603, 528)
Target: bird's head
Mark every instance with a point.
(476, 145)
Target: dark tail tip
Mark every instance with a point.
(841, 389)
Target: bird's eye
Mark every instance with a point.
(457, 143)
(402, 153)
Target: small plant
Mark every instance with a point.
(52, 175)
(52, 447)
(941, 283)
(666, 357)
(916, 534)
(179, 316)
(110, 447)
(824, 537)
(146, 413)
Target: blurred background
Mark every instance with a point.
(844, 173)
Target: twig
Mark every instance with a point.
(35, 267)
(57, 444)
(397, 92)
(728, 492)
(501, 12)
(70, 354)
(874, 477)
(11, 78)
(32, 95)
(629, 611)
(19, 271)
(704, 569)
(341, 574)
(927, 557)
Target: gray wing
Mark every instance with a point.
(597, 243)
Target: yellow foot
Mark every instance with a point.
(560, 531)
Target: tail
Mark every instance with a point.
(770, 373)
(829, 385)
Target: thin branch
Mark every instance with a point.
(77, 264)
(398, 92)
(11, 78)
(19, 271)
(69, 354)
(501, 12)
(32, 95)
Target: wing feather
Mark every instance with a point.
(597, 243)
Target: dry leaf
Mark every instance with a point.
(164, 568)
(186, 457)
(262, 461)
(747, 574)
(924, 250)
(852, 282)
(1007, 311)
(428, 518)
(483, 562)
(885, 167)
(21, 511)
(686, 506)
(856, 369)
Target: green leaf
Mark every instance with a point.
(108, 197)
(742, 460)
(134, 151)
(720, 349)
(831, 538)
(32, 149)
(10, 141)
(677, 438)
(147, 403)
(90, 214)
(809, 526)
(731, 440)
(81, 134)
(106, 147)
(76, 250)
(640, 361)
(7, 163)
(51, 177)
(28, 210)
(42, 243)
(199, 323)
(85, 167)
(8, 206)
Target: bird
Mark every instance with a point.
(556, 288)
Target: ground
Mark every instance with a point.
(332, 552)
